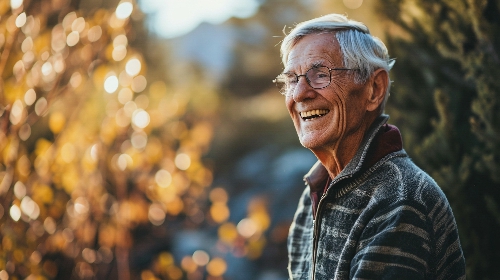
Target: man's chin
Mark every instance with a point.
(309, 142)
(316, 142)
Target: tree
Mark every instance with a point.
(92, 151)
(446, 100)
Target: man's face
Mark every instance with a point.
(341, 105)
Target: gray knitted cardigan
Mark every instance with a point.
(388, 220)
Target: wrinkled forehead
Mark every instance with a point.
(312, 49)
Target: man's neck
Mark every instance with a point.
(335, 158)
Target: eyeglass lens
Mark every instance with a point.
(317, 78)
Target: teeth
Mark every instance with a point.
(313, 113)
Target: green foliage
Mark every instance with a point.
(446, 100)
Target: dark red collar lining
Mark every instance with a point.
(387, 140)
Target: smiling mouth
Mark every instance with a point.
(309, 115)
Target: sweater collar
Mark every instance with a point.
(387, 140)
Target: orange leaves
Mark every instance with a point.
(42, 193)
(246, 238)
(107, 235)
(219, 211)
(227, 233)
(217, 267)
(95, 146)
(57, 121)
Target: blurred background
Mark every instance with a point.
(144, 139)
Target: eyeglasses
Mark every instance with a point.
(317, 77)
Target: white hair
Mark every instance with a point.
(359, 48)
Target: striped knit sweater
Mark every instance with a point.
(378, 219)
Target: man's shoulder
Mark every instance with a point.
(399, 179)
(401, 169)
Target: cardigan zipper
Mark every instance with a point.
(315, 235)
(316, 226)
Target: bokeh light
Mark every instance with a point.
(14, 4)
(139, 83)
(182, 161)
(125, 95)
(27, 44)
(111, 83)
(219, 212)
(228, 233)
(30, 208)
(81, 205)
(119, 53)
(73, 38)
(201, 258)
(353, 4)
(15, 212)
(124, 161)
(133, 67)
(156, 214)
(21, 20)
(19, 190)
(76, 79)
(50, 225)
(94, 33)
(217, 267)
(188, 264)
(163, 178)
(139, 140)
(17, 112)
(218, 195)
(120, 40)
(89, 255)
(25, 132)
(4, 275)
(78, 25)
(124, 10)
(57, 122)
(30, 97)
(129, 108)
(41, 106)
(247, 227)
(140, 118)
(68, 153)
(47, 68)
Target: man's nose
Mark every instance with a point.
(303, 90)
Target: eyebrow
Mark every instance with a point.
(318, 63)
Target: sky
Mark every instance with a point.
(173, 18)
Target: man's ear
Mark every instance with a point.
(378, 84)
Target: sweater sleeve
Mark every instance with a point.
(408, 240)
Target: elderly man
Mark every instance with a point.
(368, 212)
